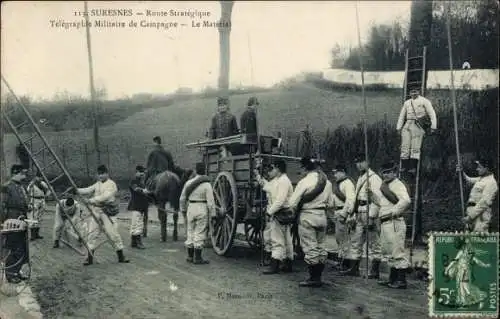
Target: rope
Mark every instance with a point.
(454, 103)
(365, 130)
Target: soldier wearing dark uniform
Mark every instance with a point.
(15, 205)
(159, 160)
(248, 120)
(138, 205)
(223, 123)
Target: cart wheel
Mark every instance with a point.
(253, 234)
(224, 225)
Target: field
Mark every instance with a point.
(127, 142)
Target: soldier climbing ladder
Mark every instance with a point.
(46, 152)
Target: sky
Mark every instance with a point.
(269, 42)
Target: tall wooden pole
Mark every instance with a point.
(92, 87)
(454, 103)
(224, 46)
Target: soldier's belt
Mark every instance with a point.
(389, 218)
(38, 197)
(197, 201)
(314, 208)
(471, 204)
(362, 202)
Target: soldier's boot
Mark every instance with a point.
(374, 272)
(139, 242)
(198, 260)
(352, 268)
(37, 233)
(190, 254)
(286, 266)
(267, 258)
(412, 166)
(163, 232)
(121, 257)
(56, 244)
(400, 282)
(319, 272)
(392, 278)
(90, 259)
(133, 241)
(273, 268)
(314, 279)
(343, 266)
(404, 166)
(32, 234)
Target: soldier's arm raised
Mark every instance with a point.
(108, 194)
(401, 118)
(86, 190)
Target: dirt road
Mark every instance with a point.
(159, 283)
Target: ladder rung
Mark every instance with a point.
(29, 139)
(21, 125)
(66, 191)
(39, 151)
(58, 177)
(49, 165)
(414, 70)
(416, 57)
(414, 82)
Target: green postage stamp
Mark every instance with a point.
(463, 271)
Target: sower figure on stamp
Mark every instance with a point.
(279, 189)
(197, 204)
(15, 206)
(413, 122)
(481, 196)
(344, 195)
(312, 197)
(37, 191)
(105, 209)
(138, 206)
(394, 202)
(365, 214)
(74, 211)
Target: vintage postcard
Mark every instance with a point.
(463, 275)
(249, 159)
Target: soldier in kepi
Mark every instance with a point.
(197, 204)
(482, 195)
(311, 199)
(344, 195)
(394, 202)
(15, 206)
(37, 191)
(223, 124)
(105, 208)
(159, 160)
(279, 189)
(366, 212)
(67, 209)
(138, 206)
(416, 117)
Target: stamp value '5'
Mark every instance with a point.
(463, 275)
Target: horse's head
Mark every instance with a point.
(183, 174)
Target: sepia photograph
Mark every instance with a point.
(249, 159)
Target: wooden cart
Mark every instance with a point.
(239, 199)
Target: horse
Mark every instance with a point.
(167, 188)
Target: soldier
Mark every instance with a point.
(248, 120)
(223, 123)
(394, 202)
(138, 206)
(412, 123)
(311, 198)
(279, 189)
(481, 196)
(104, 209)
(197, 204)
(23, 155)
(74, 211)
(159, 160)
(344, 195)
(364, 215)
(37, 190)
(15, 206)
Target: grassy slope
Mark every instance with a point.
(287, 110)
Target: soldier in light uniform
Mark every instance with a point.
(75, 212)
(37, 190)
(394, 202)
(410, 122)
(279, 189)
(138, 206)
(312, 197)
(344, 195)
(481, 196)
(197, 204)
(14, 205)
(365, 214)
(104, 193)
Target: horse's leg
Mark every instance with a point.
(176, 218)
(162, 216)
(145, 218)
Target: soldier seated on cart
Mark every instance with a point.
(15, 205)
(224, 123)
